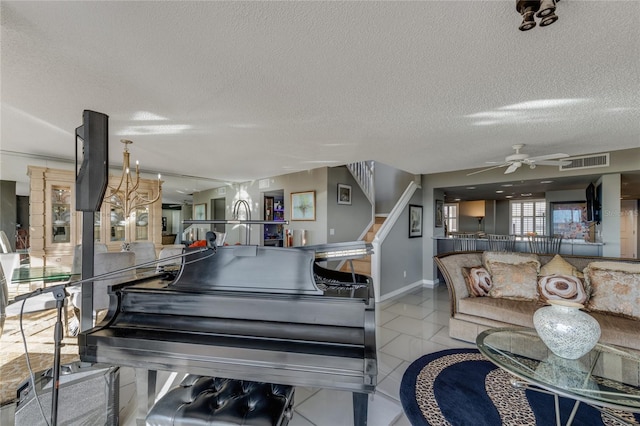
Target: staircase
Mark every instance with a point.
(363, 265)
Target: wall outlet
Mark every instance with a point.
(405, 274)
(332, 231)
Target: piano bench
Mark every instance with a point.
(201, 400)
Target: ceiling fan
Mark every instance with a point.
(514, 161)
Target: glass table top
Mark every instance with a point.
(607, 376)
(27, 273)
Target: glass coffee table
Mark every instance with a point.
(605, 378)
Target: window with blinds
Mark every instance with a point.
(451, 217)
(528, 217)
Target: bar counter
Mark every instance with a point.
(569, 246)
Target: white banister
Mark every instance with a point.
(362, 172)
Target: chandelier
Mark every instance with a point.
(126, 195)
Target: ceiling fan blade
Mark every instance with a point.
(552, 163)
(548, 157)
(486, 170)
(512, 168)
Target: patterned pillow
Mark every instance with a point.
(478, 281)
(559, 266)
(562, 287)
(491, 257)
(519, 281)
(615, 288)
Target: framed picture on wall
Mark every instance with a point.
(344, 194)
(415, 221)
(439, 214)
(200, 212)
(303, 205)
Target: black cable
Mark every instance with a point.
(32, 377)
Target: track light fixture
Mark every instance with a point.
(531, 9)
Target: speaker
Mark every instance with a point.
(92, 175)
(88, 395)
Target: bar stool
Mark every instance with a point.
(464, 242)
(545, 244)
(500, 242)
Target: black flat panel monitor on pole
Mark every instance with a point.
(92, 174)
(92, 177)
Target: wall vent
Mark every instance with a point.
(586, 162)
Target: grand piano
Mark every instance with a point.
(264, 314)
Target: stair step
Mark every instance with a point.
(360, 266)
(380, 219)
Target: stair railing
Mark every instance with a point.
(363, 173)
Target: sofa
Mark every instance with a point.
(503, 289)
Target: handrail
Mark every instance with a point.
(384, 230)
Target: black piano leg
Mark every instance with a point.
(360, 408)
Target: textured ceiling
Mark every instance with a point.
(244, 90)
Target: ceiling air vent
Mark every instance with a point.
(586, 162)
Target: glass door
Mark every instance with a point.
(60, 214)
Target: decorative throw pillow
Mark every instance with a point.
(478, 281)
(559, 266)
(562, 287)
(491, 257)
(519, 281)
(615, 288)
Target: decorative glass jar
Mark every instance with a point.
(566, 330)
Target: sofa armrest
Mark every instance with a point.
(450, 265)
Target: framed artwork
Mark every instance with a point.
(415, 221)
(200, 212)
(303, 205)
(344, 194)
(439, 214)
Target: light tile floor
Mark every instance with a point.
(407, 327)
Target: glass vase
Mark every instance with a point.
(566, 330)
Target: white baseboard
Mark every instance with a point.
(431, 283)
(401, 291)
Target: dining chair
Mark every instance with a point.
(169, 251)
(545, 244)
(77, 256)
(464, 242)
(501, 242)
(103, 263)
(145, 252)
(5, 244)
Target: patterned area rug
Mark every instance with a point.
(38, 329)
(461, 387)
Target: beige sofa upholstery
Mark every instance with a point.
(472, 315)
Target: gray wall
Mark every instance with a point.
(400, 254)
(311, 180)
(502, 214)
(389, 183)
(347, 221)
(611, 189)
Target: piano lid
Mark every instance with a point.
(249, 269)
